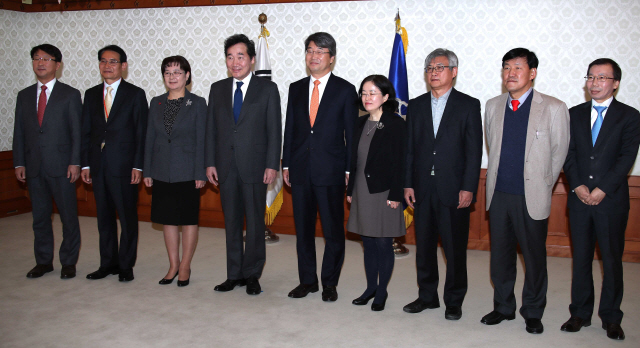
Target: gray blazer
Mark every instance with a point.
(255, 141)
(179, 157)
(546, 149)
(56, 144)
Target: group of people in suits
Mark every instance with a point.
(431, 162)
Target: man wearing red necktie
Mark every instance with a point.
(46, 154)
(527, 140)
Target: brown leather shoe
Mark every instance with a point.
(68, 272)
(614, 331)
(39, 270)
(574, 324)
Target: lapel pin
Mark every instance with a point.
(188, 102)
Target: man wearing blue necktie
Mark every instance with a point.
(242, 155)
(605, 135)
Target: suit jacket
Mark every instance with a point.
(254, 142)
(179, 156)
(56, 144)
(123, 134)
(323, 153)
(455, 153)
(545, 152)
(384, 165)
(607, 164)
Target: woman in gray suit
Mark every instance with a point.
(174, 165)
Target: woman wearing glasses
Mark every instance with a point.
(375, 187)
(174, 165)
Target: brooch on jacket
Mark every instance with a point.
(188, 102)
(380, 125)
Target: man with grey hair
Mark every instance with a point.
(444, 151)
(321, 113)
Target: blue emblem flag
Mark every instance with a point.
(398, 77)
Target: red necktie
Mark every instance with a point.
(515, 104)
(42, 104)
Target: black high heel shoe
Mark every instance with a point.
(361, 301)
(165, 281)
(377, 307)
(184, 282)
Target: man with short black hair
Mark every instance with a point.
(114, 125)
(605, 135)
(316, 156)
(527, 139)
(242, 155)
(46, 154)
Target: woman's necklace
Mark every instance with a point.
(374, 126)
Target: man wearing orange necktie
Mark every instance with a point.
(46, 154)
(527, 140)
(316, 154)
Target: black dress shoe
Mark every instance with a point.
(534, 325)
(230, 284)
(361, 301)
(496, 317)
(377, 307)
(453, 313)
(68, 272)
(303, 290)
(253, 286)
(39, 270)
(419, 305)
(574, 324)
(165, 281)
(101, 273)
(126, 275)
(614, 331)
(182, 283)
(329, 293)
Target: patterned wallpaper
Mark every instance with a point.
(566, 35)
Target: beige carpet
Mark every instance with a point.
(50, 312)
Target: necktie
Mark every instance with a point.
(514, 104)
(108, 101)
(597, 124)
(237, 101)
(42, 104)
(315, 102)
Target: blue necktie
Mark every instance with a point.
(597, 124)
(237, 102)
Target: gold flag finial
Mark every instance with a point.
(398, 25)
(262, 18)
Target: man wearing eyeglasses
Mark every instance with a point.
(316, 154)
(114, 122)
(46, 155)
(605, 135)
(444, 153)
(527, 139)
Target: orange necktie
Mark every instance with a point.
(315, 102)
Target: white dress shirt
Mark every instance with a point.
(243, 88)
(594, 113)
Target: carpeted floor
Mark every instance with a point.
(50, 312)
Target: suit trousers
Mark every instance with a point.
(511, 224)
(115, 194)
(433, 219)
(41, 189)
(307, 200)
(239, 200)
(587, 227)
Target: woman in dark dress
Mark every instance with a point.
(375, 187)
(174, 165)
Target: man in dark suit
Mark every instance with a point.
(242, 153)
(605, 135)
(114, 122)
(444, 151)
(321, 114)
(46, 154)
